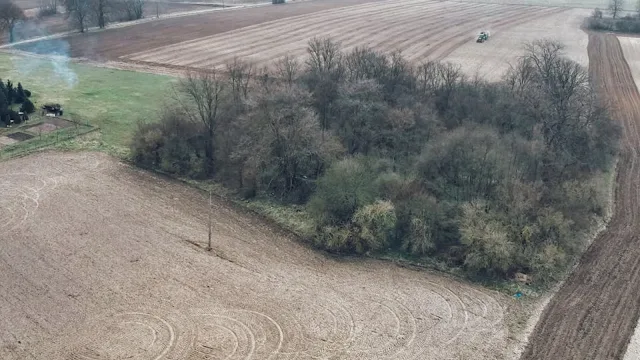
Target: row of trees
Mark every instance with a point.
(80, 13)
(86, 13)
(629, 23)
(491, 177)
(9, 95)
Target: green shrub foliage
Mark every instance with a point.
(10, 95)
(493, 178)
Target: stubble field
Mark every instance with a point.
(421, 29)
(97, 261)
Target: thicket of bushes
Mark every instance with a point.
(491, 177)
(626, 24)
(9, 95)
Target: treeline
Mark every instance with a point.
(625, 24)
(85, 13)
(10, 95)
(81, 14)
(491, 177)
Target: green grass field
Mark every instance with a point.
(113, 100)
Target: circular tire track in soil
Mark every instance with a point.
(594, 313)
(134, 335)
(20, 196)
(114, 277)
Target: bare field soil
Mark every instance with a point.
(116, 42)
(97, 261)
(594, 313)
(631, 50)
(421, 29)
(491, 59)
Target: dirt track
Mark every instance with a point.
(594, 313)
(97, 262)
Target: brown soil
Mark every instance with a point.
(594, 313)
(117, 42)
(4, 141)
(102, 261)
(20, 136)
(420, 29)
(43, 128)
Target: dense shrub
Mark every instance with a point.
(492, 178)
(373, 226)
(345, 187)
(627, 24)
(170, 145)
(27, 107)
(10, 95)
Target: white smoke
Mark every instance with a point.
(56, 52)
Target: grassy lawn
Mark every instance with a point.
(113, 100)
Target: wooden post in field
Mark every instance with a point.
(157, 10)
(209, 243)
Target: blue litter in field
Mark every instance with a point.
(518, 295)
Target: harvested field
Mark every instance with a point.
(491, 59)
(420, 29)
(594, 313)
(97, 260)
(109, 44)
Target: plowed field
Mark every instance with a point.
(97, 261)
(421, 29)
(492, 59)
(113, 43)
(594, 313)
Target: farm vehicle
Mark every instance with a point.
(482, 37)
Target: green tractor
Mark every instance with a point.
(483, 36)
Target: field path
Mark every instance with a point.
(594, 313)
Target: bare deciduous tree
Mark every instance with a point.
(287, 69)
(10, 14)
(240, 74)
(78, 12)
(47, 8)
(325, 72)
(615, 7)
(101, 9)
(201, 96)
(324, 55)
(132, 9)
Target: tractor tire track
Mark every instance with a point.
(594, 313)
